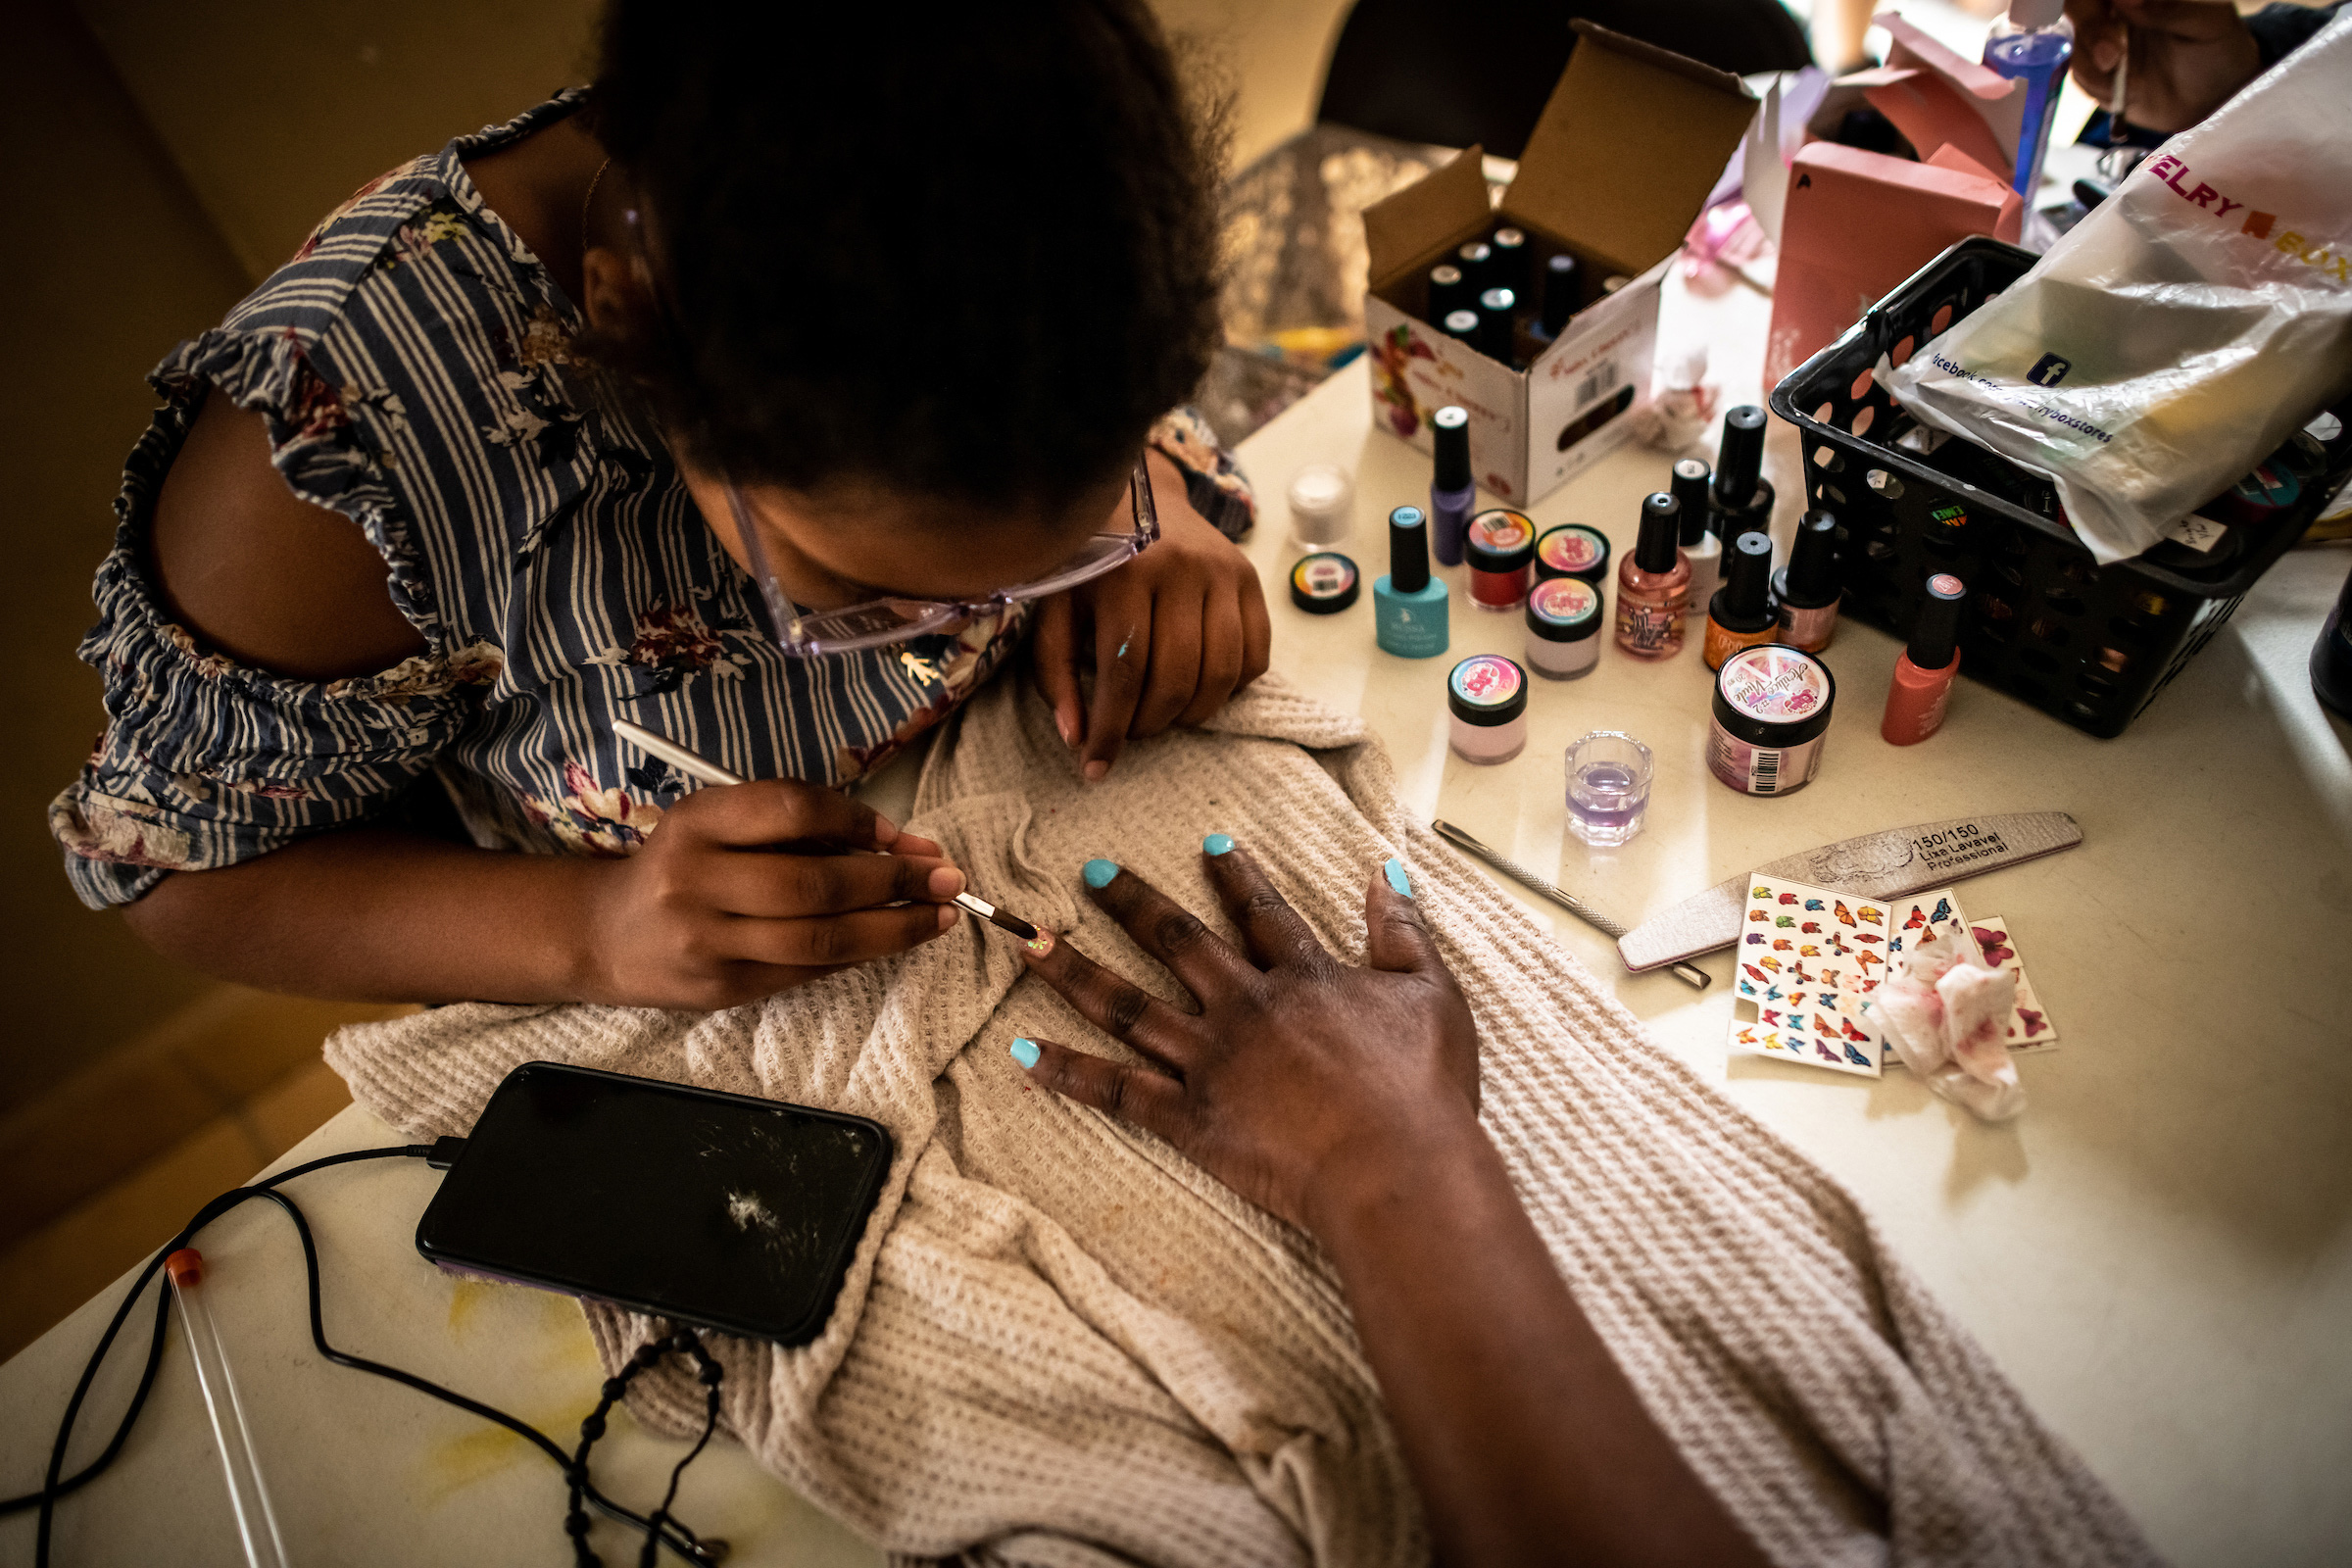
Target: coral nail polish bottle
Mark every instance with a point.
(1654, 583)
(1923, 675)
(1408, 604)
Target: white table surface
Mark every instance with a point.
(2157, 1253)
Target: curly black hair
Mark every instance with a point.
(962, 250)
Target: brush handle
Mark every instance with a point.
(670, 751)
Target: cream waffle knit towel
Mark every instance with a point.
(1062, 1343)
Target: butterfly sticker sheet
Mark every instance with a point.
(2029, 1026)
(1922, 917)
(1809, 959)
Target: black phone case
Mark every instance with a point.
(649, 1296)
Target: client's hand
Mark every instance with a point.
(2189, 56)
(745, 890)
(1299, 1074)
(1346, 1101)
(1170, 636)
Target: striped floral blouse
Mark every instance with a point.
(413, 365)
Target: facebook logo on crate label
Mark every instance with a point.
(2049, 371)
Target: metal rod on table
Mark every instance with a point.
(1689, 974)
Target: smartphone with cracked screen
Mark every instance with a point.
(718, 1211)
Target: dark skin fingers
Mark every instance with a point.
(1133, 1093)
(1126, 1012)
(833, 941)
(778, 886)
(1172, 934)
(1272, 929)
(1343, 1100)
(1293, 1077)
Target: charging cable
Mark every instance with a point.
(660, 1530)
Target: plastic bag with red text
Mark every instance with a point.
(2192, 323)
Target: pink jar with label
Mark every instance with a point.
(1564, 627)
(1771, 718)
(1486, 694)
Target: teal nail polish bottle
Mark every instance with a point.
(1408, 605)
(1098, 873)
(1397, 878)
(1217, 843)
(1024, 1051)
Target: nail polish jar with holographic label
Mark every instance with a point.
(1499, 547)
(1564, 627)
(1324, 583)
(1488, 697)
(1572, 549)
(1771, 716)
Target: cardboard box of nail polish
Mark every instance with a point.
(1620, 161)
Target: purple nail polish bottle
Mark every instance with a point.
(1453, 493)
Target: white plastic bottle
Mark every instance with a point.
(2033, 44)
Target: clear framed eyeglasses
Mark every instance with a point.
(877, 622)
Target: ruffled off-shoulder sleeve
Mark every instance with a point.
(1212, 480)
(205, 763)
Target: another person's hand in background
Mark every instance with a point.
(2189, 56)
(1346, 1101)
(1170, 636)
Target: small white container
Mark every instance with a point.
(1322, 505)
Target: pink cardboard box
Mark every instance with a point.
(1857, 224)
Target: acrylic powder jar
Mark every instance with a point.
(1487, 696)
(1322, 505)
(1563, 626)
(1573, 549)
(1771, 716)
(1499, 547)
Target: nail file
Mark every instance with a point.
(1876, 866)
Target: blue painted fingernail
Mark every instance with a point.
(1217, 843)
(1098, 873)
(1024, 1051)
(1397, 877)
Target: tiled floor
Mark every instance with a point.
(106, 1167)
(57, 1267)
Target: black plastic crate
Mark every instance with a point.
(2091, 645)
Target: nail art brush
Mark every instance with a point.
(709, 772)
(1689, 974)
